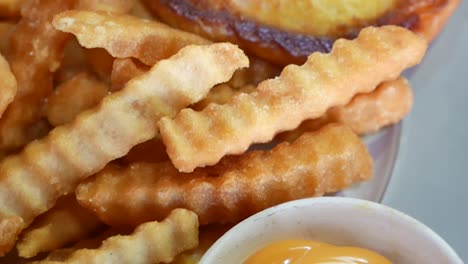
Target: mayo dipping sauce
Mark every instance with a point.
(313, 252)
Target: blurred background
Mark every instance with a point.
(430, 180)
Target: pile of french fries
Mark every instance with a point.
(121, 135)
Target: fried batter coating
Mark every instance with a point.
(389, 103)
(66, 222)
(46, 169)
(208, 236)
(72, 97)
(63, 254)
(319, 162)
(8, 85)
(124, 70)
(36, 52)
(151, 242)
(196, 139)
(125, 36)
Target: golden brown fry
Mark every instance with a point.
(366, 113)
(66, 222)
(208, 236)
(151, 242)
(125, 36)
(124, 70)
(6, 31)
(154, 149)
(10, 8)
(8, 85)
(46, 169)
(63, 254)
(72, 97)
(222, 94)
(112, 6)
(196, 139)
(319, 162)
(36, 52)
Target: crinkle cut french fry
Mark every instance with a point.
(124, 70)
(208, 236)
(125, 36)
(36, 51)
(151, 242)
(197, 139)
(8, 85)
(319, 162)
(72, 97)
(66, 222)
(63, 254)
(111, 6)
(366, 113)
(46, 169)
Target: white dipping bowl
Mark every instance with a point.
(339, 221)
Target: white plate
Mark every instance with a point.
(339, 221)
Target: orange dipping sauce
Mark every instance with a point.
(312, 252)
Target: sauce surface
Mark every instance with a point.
(312, 252)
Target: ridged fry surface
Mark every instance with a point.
(33, 180)
(36, 50)
(66, 222)
(151, 242)
(196, 139)
(389, 103)
(320, 162)
(125, 36)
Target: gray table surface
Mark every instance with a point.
(430, 180)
